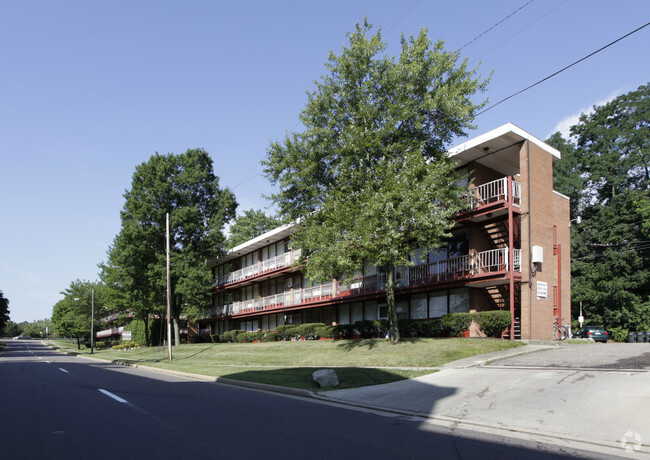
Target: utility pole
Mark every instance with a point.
(92, 321)
(169, 309)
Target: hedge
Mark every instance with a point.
(456, 323)
(493, 323)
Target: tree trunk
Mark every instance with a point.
(78, 343)
(177, 332)
(146, 330)
(390, 303)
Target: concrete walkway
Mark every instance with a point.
(532, 391)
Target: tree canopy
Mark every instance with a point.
(4, 311)
(604, 170)
(71, 316)
(251, 224)
(368, 178)
(185, 186)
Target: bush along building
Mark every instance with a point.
(509, 251)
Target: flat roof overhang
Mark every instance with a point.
(498, 149)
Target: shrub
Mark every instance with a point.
(126, 346)
(324, 332)
(618, 334)
(287, 332)
(248, 337)
(343, 331)
(366, 328)
(230, 336)
(202, 338)
(381, 328)
(428, 328)
(456, 323)
(308, 330)
(407, 327)
(492, 323)
(270, 337)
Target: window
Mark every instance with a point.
(357, 312)
(344, 314)
(383, 311)
(402, 307)
(370, 310)
(459, 300)
(419, 306)
(437, 304)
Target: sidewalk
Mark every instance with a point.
(598, 410)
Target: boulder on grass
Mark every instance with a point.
(326, 378)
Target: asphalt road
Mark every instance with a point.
(56, 406)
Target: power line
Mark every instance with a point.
(402, 16)
(563, 69)
(487, 30)
(519, 31)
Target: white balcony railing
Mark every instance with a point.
(494, 191)
(457, 268)
(283, 260)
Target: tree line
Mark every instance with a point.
(604, 170)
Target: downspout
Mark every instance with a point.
(511, 260)
(530, 248)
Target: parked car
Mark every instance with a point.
(592, 332)
(22, 337)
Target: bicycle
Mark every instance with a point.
(559, 332)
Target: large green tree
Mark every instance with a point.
(614, 143)
(71, 316)
(4, 311)
(604, 170)
(252, 223)
(185, 186)
(368, 179)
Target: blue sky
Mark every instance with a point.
(90, 90)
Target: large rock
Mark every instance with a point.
(326, 378)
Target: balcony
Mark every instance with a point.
(494, 192)
(461, 268)
(266, 266)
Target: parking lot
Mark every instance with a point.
(620, 356)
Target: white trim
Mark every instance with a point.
(501, 131)
(562, 195)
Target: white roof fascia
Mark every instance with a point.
(561, 194)
(498, 132)
(264, 236)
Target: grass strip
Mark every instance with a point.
(357, 362)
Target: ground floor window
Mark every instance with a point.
(459, 300)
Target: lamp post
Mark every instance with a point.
(92, 319)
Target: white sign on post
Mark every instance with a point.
(126, 336)
(542, 289)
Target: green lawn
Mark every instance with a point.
(358, 362)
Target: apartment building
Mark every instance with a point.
(509, 251)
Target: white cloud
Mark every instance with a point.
(564, 125)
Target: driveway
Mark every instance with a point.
(597, 394)
(631, 356)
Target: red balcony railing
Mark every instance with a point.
(458, 268)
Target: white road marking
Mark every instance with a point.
(111, 395)
(63, 370)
